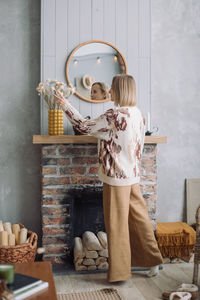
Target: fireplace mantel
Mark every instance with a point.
(85, 139)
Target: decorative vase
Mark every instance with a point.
(55, 122)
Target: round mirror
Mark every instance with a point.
(90, 68)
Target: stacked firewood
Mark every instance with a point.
(91, 252)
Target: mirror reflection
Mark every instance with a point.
(99, 91)
(91, 67)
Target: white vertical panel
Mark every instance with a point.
(132, 55)
(97, 19)
(48, 52)
(144, 85)
(61, 45)
(49, 27)
(42, 65)
(73, 17)
(85, 20)
(67, 23)
(97, 34)
(85, 35)
(144, 56)
(61, 39)
(144, 28)
(133, 19)
(73, 40)
(121, 26)
(109, 20)
(48, 72)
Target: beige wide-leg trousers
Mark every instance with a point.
(131, 240)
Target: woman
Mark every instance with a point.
(120, 134)
(99, 91)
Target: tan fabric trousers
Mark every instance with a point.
(131, 240)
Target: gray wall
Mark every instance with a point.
(19, 112)
(176, 99)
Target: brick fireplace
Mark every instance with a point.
(69, 183)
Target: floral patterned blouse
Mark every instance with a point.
(120, 132)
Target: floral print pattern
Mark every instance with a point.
(121, 137)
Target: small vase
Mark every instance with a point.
(55, 122)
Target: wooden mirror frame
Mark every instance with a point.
(69, 59)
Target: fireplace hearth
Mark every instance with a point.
(72, 195)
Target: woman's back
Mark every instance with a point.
(120, 151)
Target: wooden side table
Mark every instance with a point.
(43, 271)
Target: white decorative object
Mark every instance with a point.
(148, 122)
(88, 81)
(49, 88)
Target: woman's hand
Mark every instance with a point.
(60, 100)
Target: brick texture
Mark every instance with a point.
(65, 167)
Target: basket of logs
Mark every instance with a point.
(17, 243)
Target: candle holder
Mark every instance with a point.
(154, 130)
(7, 272)
(148, 132)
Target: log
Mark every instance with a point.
(79, 266)
(79, 261)
(90, 241)
(100, 260)
(102, 236)
(78, 249)
(7, 227)
(90, 253)
(88, 262)
(103, 266)
(92, 267)
(103, 252)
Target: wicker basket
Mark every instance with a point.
(20, 253)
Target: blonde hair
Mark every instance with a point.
(124, 90)
(104, 88)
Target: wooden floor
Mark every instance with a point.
(139, 287)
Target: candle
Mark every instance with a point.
(1, 226)
(7, 272)
(16, 230)
(23, 236)
(148, 122)
(7, 227)
(11, 239)
(3, 238)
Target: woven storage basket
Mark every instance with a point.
(20, 253)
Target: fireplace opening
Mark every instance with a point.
(86, 212)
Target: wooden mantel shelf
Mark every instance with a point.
(85, 139)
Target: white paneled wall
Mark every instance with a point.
(125, 24)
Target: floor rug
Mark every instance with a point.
(104, 294)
